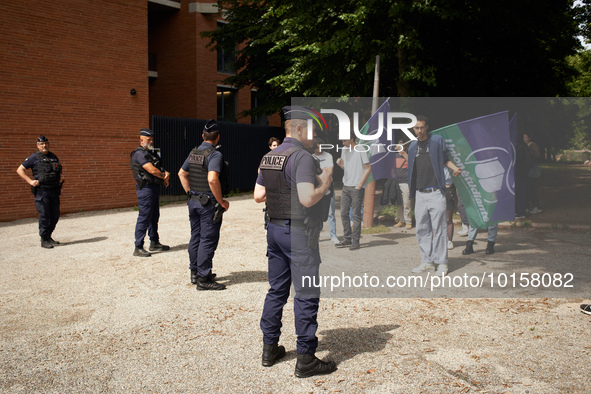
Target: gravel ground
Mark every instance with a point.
(87, 316)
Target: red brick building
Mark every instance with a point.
(88, 75)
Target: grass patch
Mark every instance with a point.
(565, 227)
(389, 212)
(239, 192)
(526, 224)
(375, 230)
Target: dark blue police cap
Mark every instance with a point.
(42, 138)
(147, 133)
(297, 112)
(211, 126)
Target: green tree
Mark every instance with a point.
(452, 48)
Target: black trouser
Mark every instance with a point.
(47, 202)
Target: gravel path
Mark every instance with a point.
(87, 316)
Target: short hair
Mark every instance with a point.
(318, 141)
(529, 134)
(273, 139)
(293, 123)
(210, 135)
(423, 118)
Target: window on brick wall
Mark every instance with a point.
(227, 104)
(226, 56)
(256, 101)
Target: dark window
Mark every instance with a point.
(227, 104)
(226, 56)
(256, 101)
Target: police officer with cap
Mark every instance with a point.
(294, 188)
(46, 186)
(204, 178)
(149, 174)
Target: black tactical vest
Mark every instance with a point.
(139, 172)
(48, 171)
(198, 171)
(280, 202)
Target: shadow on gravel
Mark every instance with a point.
(84, 241)
(237, 277)
(346, 343)
(386, 239)
(178, 247)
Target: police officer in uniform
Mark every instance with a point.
(293, 186)
(46, 187)
(149, 174)
(204, 178)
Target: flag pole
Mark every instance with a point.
(370, 189)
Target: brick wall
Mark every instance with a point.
(67, 70)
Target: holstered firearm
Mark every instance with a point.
(34, 190)
(59, 190)
(313, 229)
(141, 182)
(219, 212)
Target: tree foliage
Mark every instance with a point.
(452, 48)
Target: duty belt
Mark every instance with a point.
(298, 224)
(428, 189)
(203, 198)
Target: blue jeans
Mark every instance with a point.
(491, 236)
(332, 222)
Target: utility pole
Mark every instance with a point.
(370, 189)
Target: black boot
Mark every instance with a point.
(309, 365)
(158, 246)
(272, 353)
(52, 241)
(469, 249)
(490, 247)
(141, 252)
(205, 283)
(45, 243)
(195, 276)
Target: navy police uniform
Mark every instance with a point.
(148, 195)
(292, 252)
(289, 255)
(47, 170)
(202, 204)
(205, 233)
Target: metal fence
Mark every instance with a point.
(242, 145)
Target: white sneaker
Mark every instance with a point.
(535, 210)
(334, 240)
(423, 268)
(441, 269)
(464, 231)
(450, 245)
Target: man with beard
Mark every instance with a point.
(46, 186)
(149, 174)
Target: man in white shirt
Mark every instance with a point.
(326, 161)
(355, 164)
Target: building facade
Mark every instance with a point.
(88, 75)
